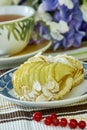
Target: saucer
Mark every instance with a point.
(15, 60)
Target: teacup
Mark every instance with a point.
(16, 26)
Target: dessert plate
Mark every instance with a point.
(30, 50)
(77, 94)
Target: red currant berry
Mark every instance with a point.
(55, 122)
(53, 115)
(82, 124)
(37, 116)
(73, 123)
(48, 120)
(63, 122)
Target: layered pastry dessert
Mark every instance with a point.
(47, 78)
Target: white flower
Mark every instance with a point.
(68, 3)
(84, 12)
(42, 15)
(57, 28)
(62, 26)
(56, 35)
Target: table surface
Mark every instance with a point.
(16, 117)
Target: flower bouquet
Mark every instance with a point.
(64, 22)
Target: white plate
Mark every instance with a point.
(30, 50)
(77, 94)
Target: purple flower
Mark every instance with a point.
(56, 44)
(83, 27)
(76, 17)
(72, 38)
(76, 2)
(62, 13)
(56, 16)
(69, 14)
(50, 5)
(73, 17)
(42, 30)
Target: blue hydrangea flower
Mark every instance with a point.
(83, 26)
(72, 38)
(68, 11)
(84, 29)
(50, 5)
(72, 15)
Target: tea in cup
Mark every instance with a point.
(16, 26)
